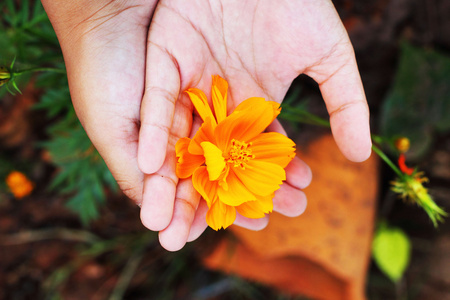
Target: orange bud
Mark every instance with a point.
(19, 184)
(402, 144)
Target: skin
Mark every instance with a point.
(128, 63)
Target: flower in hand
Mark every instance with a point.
(234, 164)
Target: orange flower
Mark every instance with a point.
(19, 184)
(234, 165)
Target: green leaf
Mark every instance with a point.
(25, 10)
(12, 11)
(38, 12)
(84, 204)
(391, 250)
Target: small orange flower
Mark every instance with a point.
(234, 165)
(19, 184)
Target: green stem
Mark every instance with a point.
(56, 70)
(319, 121)
(303, 116)
(387, 160)
(378, 139)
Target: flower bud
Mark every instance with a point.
(410, 187)
(5, 75)
(402, 144)
(19, 184)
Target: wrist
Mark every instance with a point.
(73, 18)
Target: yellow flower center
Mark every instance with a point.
(240, 153)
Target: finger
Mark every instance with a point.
(175, 236)
(252, 224)
(344, 96)
(298, 173)
(177, 233)
(199, 224)
(162, 87)
(159, 196)
(289, 201)
(186, 220)
(160, 187)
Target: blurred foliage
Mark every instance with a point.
(166, 275)
(27, 36)
(418, 104)
(391, 251)
(124, 252)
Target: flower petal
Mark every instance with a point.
(200, 102)
(220, 215)
(219, 97)
(187, 163)
(215, 163)
(256, 209)
(236, 193)
(204, 134)
(250, 102)
(249, 119)
(260, 177)
(205, 187)
(273, 147)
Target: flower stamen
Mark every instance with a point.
(240, 154)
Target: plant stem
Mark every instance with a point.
(302, 116)
(127, 274)
(387, 160)
(55, 70)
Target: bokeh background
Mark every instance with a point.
(77, 237)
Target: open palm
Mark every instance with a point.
(259, 47)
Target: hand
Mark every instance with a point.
(104, 47)
(259, 47)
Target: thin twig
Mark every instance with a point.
(127, 274)
(30, 236)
